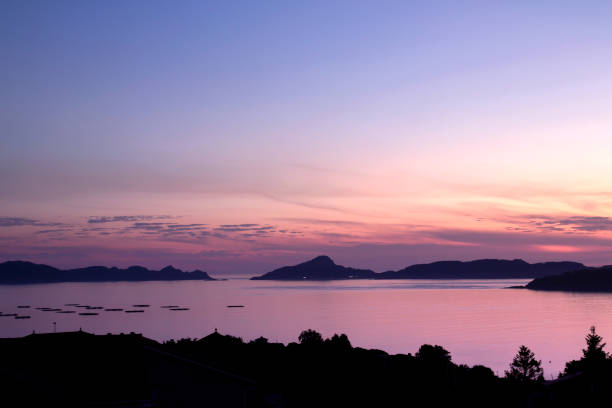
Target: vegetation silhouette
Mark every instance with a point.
(82, 369)
(525, 368)
(594, 351)
(594, 358)
(584, 382)
(310, 338)
(431, 353)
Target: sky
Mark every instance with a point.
(237, 137)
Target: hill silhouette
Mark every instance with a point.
(482, 269)
(324, 268)
(320, 268)
(22, 272)
(586, 280)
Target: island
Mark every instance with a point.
(23, 272)
(320, 268)
(482, 269)
(586, 280)
(324, 268)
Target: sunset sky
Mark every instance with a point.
(236, 137)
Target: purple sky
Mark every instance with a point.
(240, 137)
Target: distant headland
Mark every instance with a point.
(324, 268)
(586, 280)
(22, 272)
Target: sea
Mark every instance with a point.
(478, 321)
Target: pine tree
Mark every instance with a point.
(593, 356)
(594, 351)
(524, 367)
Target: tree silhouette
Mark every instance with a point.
(593, 356)
(427, 352)
(524, 367)
(260, 341)
(310, 338)
(339, 342)
(594, 351)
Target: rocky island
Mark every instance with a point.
(482, 269)
(22, 272)
(320, 268)
(324, 268)
(586, 280)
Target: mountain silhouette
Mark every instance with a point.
(586, 280)
(324, 268)
(482, 269)
(320, 268)
(22, 272)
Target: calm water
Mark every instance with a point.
(479, 322)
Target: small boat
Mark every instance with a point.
(94, 307)
(66, 311)
(23, 307)
(235, 305)
(169, 306)
(134, 311)
(42, 308)
(88, 314)
(71, 304)
(22, 317)
(83, 306)
(113, 310)
(141, 305)
(179, 308)
(8, 314)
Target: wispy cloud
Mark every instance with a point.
(244, 228)
(321, 221)
(126, 218)
(148, 226)
(235, 227)
(169, 231)
(54, 231)
(564, 224)
(24, 222)
(253, 245)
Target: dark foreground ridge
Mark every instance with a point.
(586, 280)
(77, 369)
(324, 268)
(21, 272)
